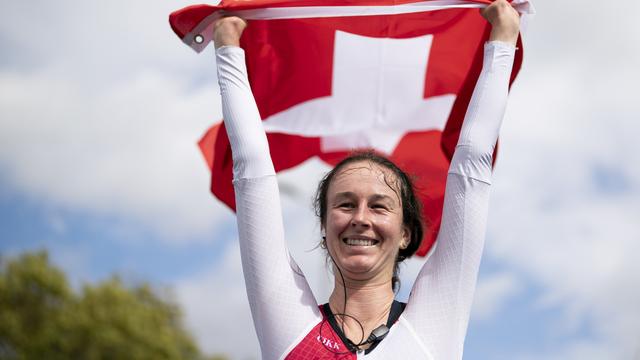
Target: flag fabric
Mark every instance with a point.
(331, 76)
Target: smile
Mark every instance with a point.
(359, 241)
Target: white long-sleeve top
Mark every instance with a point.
(284, 310)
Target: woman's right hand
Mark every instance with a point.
(227, 31)
(505, 21)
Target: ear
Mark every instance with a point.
(406, 238)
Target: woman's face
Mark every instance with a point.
(364, 228)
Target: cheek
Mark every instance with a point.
(336, 222)
(390, 222)
(386, 221)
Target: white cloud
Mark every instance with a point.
(102, 115)
(584, 350)
(89, 41)
(567, 191)
(128, 152)
(217, 310)
(492, 293)
(302, 227)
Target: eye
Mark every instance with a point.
(379, 206)
(346, 205)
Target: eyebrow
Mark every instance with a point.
(381, 197)
(375, 197)
(345, 194)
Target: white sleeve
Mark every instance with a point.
(282, 305)
(441, 298)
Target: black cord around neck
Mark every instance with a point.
(376, 335)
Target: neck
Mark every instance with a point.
(368, 302)
(363, 298)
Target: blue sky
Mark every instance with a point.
(99, 246)
(101, 107)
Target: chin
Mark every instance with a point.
(358, 265)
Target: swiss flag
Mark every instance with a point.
(333, 76)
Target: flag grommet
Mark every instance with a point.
(198, 39)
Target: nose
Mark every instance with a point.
(361, 217)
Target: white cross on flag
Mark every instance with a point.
(331, 76)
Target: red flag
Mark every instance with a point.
(332, 76)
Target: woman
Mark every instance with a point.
(369, 217)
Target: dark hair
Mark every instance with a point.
(411, 205)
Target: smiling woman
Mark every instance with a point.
(369, 214)
(364, 227)
(390, 195)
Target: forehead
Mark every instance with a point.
(364, 178)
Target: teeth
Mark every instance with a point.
(359, 242)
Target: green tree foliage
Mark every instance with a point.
(42, 318)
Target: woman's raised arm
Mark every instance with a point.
(282, 305)
(441, 299)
